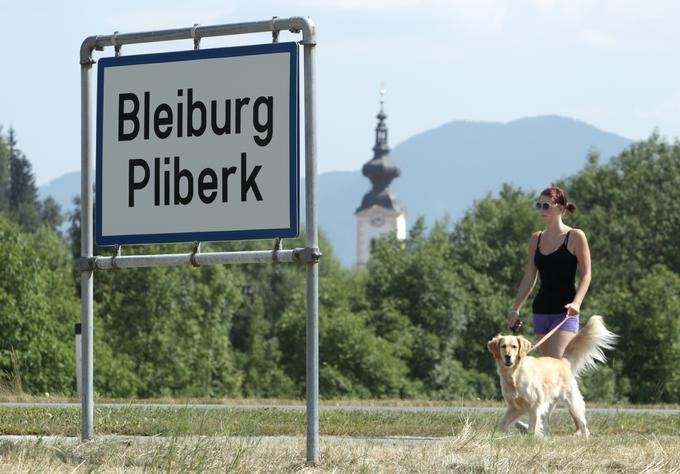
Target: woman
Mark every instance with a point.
(555, 254)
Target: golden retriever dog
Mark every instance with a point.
(536, 384)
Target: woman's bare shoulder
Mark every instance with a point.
(533, 240)
(578, 234)
(578, 243)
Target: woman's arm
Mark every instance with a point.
(582, 252)
(527, 283)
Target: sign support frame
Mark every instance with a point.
(309, 256)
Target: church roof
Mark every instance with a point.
(385, 198)
(381, 170)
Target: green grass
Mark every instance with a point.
(274, 422)
(6, 396)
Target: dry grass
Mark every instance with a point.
(469, 450)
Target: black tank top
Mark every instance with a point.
(558, 274)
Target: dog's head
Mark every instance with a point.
(508, 350)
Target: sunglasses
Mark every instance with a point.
(545, 206)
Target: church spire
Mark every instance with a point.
(381, 129)
(381, 170)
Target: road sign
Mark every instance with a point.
(198, 145)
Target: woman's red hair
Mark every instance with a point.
(558, 196)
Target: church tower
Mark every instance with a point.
(380, 212)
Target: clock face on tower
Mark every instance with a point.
(377, 220)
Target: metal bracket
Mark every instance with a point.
(307, 255)
(197, 40)
(275, 33)
(87, 264)
(306, 26)
(117, 252)
(197, 250)
(116, 46)
(278, 245)
(89, 45)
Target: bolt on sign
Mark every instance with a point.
(198, 145)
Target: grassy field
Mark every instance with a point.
(280, 422)
(227, 440)
(467, 451)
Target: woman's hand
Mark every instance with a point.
(572, 308)
(514, 317)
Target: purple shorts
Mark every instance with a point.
(543, 323)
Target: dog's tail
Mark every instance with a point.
(587, 347)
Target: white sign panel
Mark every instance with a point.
(198, 145)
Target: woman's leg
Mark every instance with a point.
(555, 345)
(538, 337)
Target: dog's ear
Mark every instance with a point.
(492, 345)
(524, 346)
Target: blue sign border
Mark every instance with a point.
(294, 120)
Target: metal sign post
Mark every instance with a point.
(309, 256)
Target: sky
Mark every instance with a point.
(610, 63)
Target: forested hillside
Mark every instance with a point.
(413, 324)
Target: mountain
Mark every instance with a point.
(444, 170)
(62, 189)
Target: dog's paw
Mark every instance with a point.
(521, 426)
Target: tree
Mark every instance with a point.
(489, 250)
(173, 324)
(647, 317)
(492, 238)
(50, 214)
(631, 211)
(259, 354)
(417, 301)
(354, 361)
(4, 174)
(37, 310)
(22, 192)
